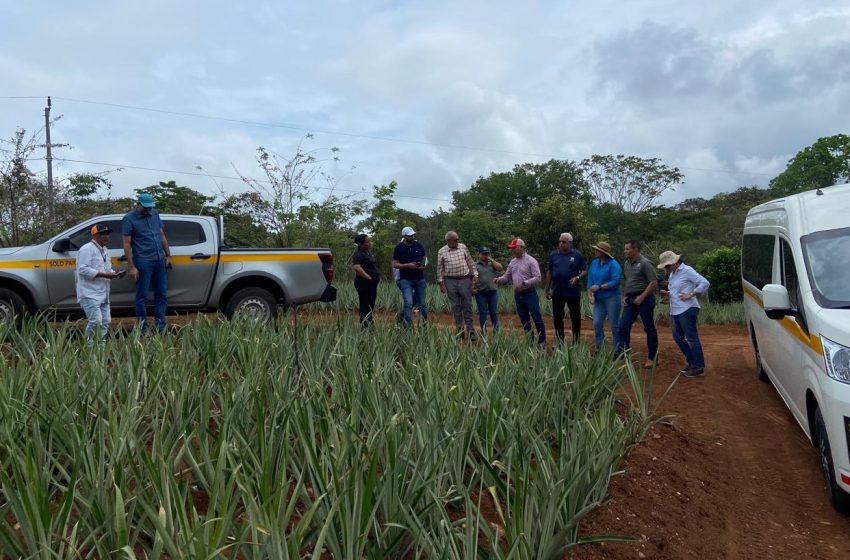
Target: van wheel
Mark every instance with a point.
(12, 307)
(760, 371)
(255, 304)
(839, 499)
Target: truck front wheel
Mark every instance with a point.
(255, 304)
(12, 307)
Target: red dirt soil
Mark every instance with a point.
(731, 475)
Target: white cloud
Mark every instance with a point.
(728, 100)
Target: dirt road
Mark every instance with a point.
(731, 476)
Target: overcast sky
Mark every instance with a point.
(432, 94)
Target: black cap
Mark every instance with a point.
(483, 249)
(100, 228)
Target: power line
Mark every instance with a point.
(304, 128)
(307, 129)
(234, 178)
(22, 96)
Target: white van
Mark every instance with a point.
(795, 269)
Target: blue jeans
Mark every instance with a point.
(646, 312)
(413, 291)
(151, 274)
(98, 315)
(488, 304)
(609, 308)
(527, 303)
(686, 336)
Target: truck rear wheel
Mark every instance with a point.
(12, 307)
(255, 304)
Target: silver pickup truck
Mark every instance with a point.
(206, 275)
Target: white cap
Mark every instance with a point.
(407, 231)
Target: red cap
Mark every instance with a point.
(516, 241)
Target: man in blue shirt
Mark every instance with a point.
(148, 257)
(566, 268)
(409, 258)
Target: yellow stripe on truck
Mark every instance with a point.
(177, 259)
(790, 325)
(22, 264)
(269, 257)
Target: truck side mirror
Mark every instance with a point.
(62, 245)
(777, 304)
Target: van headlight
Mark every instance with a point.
(837, 358)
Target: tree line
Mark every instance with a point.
(604, 197)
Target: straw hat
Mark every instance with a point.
(604, 247)
(667, 258)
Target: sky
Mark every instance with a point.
(432, 94)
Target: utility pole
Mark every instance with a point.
(50, 192)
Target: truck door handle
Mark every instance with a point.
(200, 257)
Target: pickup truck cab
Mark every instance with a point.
(206, 275)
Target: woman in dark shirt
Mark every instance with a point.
(366, 277)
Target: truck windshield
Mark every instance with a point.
(827, 255)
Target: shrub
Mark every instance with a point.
(722, 267)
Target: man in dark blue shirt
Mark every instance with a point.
(410, 259)
(566, 268)
(148, 257)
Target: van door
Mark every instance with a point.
(796, 334)
(194, 255)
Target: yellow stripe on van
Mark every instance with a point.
(790, 325)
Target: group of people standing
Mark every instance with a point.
(620, 294)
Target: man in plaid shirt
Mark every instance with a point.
(457, 273)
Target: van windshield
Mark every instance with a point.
(827, 255)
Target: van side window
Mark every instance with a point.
(789, 274)
(757, 259)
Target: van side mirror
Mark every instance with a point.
(62, 245)
(777, 304)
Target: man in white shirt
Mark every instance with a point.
(94, 271)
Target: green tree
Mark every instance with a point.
(722, 268)
(174, 199)
(382, 224)
(558, 214)
(824, 163)
(23, 197)
(510, 194)
(241, 226)
(289, 184)
(631, 182)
